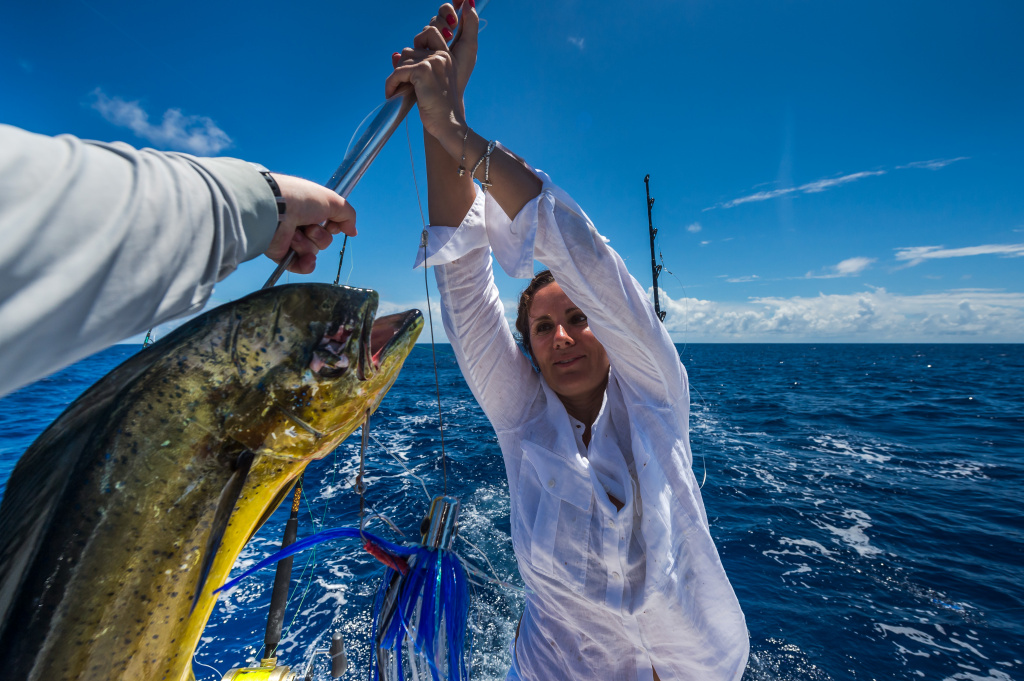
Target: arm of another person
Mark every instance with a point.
(103, 241)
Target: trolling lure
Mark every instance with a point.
(422, 605)
(419, 617)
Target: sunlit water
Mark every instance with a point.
(866, 501)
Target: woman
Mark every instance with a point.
(623, 579)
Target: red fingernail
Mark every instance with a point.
(446, 33)
(451, 19)
(396, 54)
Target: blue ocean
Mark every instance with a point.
(867, 502)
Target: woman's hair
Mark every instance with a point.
(539, 281)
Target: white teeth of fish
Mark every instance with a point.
(342, 362)
(335, 348)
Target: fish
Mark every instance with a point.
(125, 514)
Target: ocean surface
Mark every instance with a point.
(867, 502)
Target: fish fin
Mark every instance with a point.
(36, 486)
(225, 506)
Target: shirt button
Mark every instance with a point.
(615, 575)
(551, 482)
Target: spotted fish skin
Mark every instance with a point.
(105, 526)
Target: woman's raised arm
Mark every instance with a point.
(439, 75)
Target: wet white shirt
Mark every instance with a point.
(610, 593)
(102, 241)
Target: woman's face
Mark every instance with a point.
(570, 358)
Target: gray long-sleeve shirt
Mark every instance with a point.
(102, 241)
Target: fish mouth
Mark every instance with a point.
(386, 334)
(376, 340)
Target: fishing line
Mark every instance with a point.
(686, 324)
(430, 314)
(302, 599)
(203, 664)
(341, 259)
(360, 487)
(404, 467)
(686, 334)
(494, 573)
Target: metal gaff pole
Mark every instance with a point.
(361, 154)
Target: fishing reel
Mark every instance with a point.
(269, 670)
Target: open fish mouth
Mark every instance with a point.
(376, 340)
(389, 332)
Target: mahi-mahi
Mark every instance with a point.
(124, 515)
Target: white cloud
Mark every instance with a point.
(828, 183)
(809, 188)
(742, 280)
(850, 267)
(693, 227)
(934, 164)
(915, 255)
(578, 42)
(195, 134)
(869, 316)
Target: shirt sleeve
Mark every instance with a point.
(500, 376)
(554, 230)
(102, 241)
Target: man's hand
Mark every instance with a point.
(313, 215)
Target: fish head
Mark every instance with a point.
(316, 362)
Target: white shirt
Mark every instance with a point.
(102, 241)
(609, 593)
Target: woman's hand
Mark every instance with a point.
(440, 74)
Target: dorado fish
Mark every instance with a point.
(124, 515)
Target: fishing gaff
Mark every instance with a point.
(362, 153)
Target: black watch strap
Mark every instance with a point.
(274, 187)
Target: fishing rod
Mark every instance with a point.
(655, 267)
(364, 151)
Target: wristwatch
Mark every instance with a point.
(274, 187)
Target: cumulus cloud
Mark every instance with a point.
(578, 42)
(870, 316)
(195, 134)
(850, 267)
(693, 227)
(915, 255)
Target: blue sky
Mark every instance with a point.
(822, 171)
